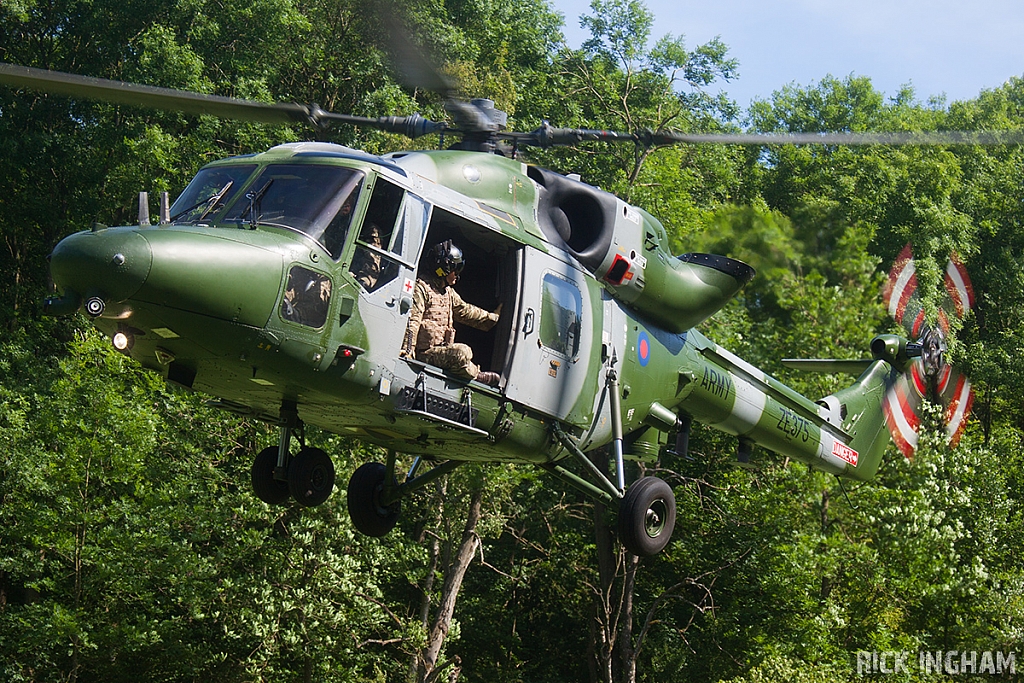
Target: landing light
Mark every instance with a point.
(122, 341)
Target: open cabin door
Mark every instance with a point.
(554, 334)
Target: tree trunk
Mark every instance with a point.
(627, 650)
(612, 650)
(602, 629)
(454, 574)
(427, 590)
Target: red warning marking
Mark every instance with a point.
(901, 285)
(944, 379)
(958, 410)
(918, 324)
(917, 374)
(845, 453)
(904, 299)
(901, 419)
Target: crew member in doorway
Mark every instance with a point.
(436, 306)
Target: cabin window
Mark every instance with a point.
(561, 311)
(307, 297)
(200, 199)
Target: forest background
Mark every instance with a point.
(131, 547)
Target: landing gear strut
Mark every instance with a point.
(307, 477)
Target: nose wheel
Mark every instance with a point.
(310, 477)
(268, 489)
(307, 477)
(309, 480)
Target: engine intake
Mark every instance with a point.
(626, 248)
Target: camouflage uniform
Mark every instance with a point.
(366, 266)
(431, 334)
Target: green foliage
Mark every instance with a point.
(131, 548)
(617, 81)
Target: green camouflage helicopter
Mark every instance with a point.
(264, 286)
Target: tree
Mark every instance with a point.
(617, 81)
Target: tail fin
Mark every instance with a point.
(861, 411)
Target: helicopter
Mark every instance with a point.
(281, 284)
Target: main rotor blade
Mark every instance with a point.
(1007, 137)
(416, 70)
(549, 136)
(119, 92)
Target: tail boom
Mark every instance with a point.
(844, 434)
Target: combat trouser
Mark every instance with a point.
(456, 359)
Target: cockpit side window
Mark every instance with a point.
(385, 203)
(335, 232)
(382, 235)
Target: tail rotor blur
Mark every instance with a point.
(928, 377)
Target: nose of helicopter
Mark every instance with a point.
(105, 265)
(187, 270)
(228, 274)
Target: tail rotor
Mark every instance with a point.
(927, 376)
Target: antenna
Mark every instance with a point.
(143, 209)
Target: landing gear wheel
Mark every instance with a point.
(364, 507)
(311, 477)
(647, 515)
(269, 490)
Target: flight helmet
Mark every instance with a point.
(446, 258)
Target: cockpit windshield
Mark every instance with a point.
(200, 199)
(315, 200)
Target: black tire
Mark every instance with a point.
(311, 477)
(647, 516)
(364, 491)
(269, 490)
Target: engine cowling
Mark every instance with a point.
(627, 249)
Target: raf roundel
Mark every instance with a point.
(643, 349)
